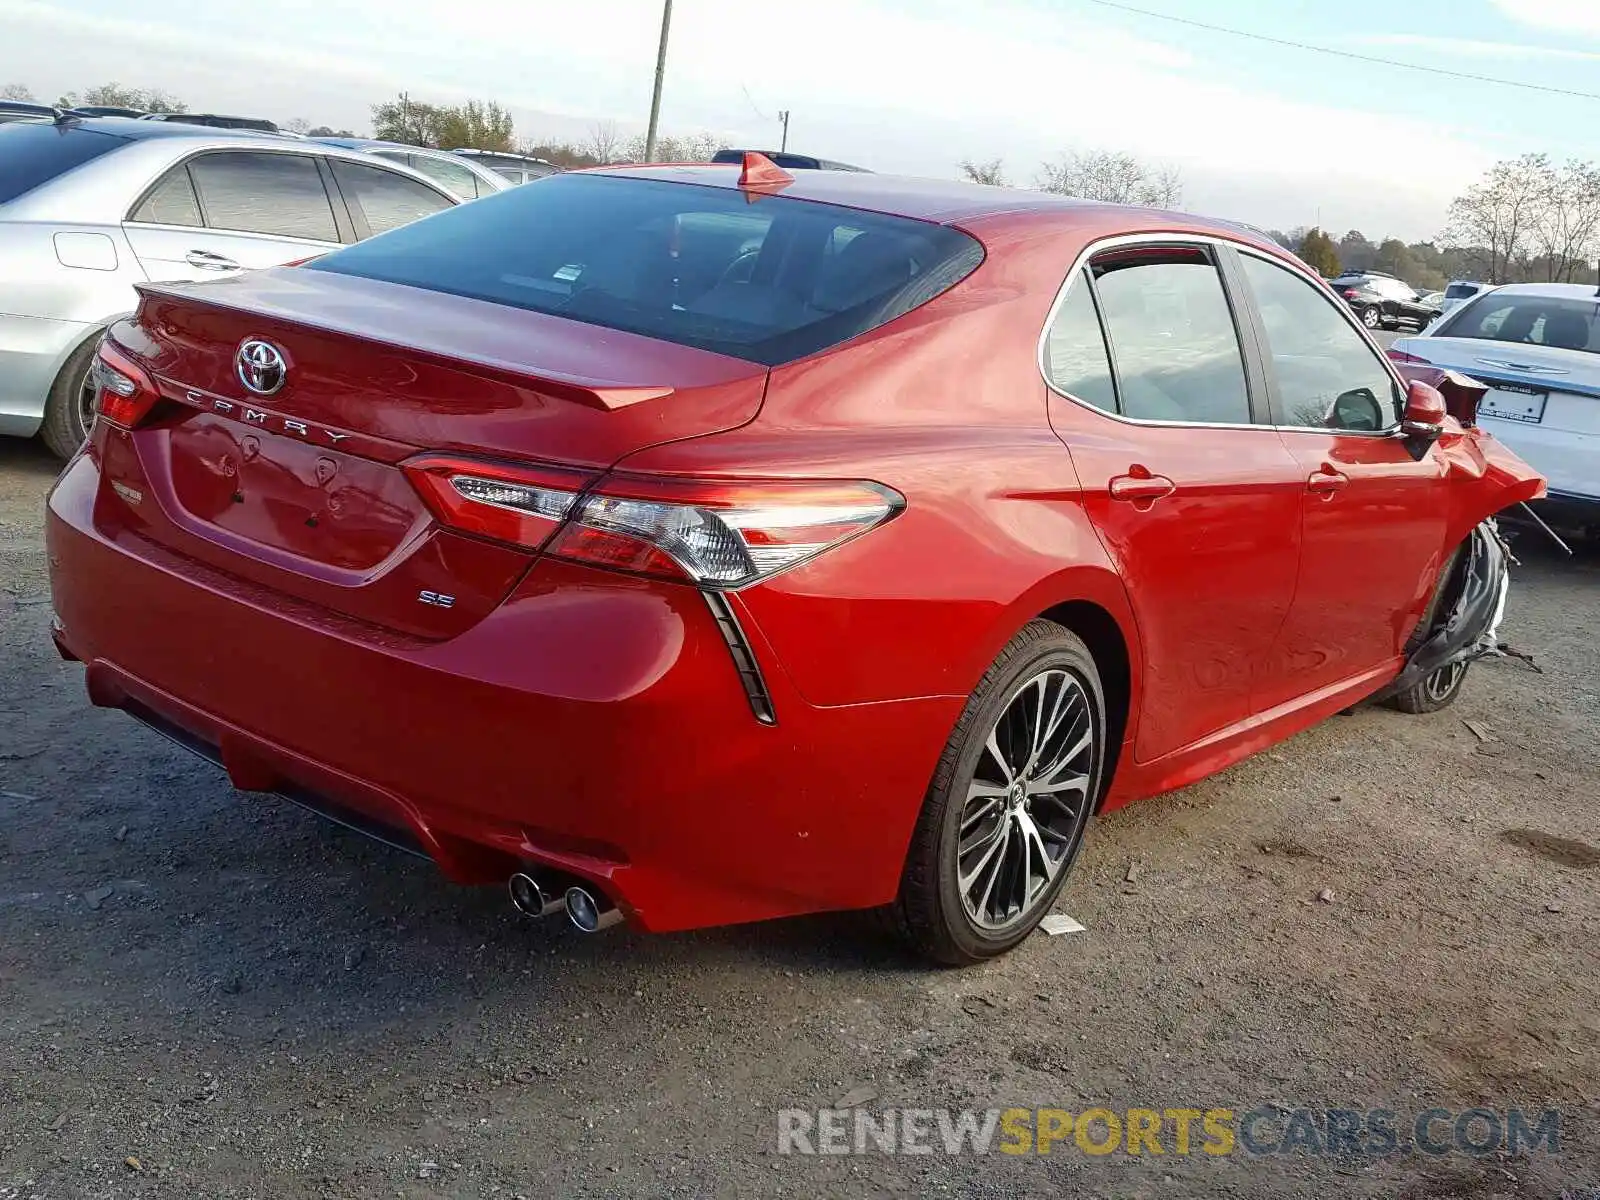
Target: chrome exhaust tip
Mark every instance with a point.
(531, 900)
(588, 914)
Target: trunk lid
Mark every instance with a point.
(299, 488)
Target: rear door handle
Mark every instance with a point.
(204, 260)
(1327, 481)
(1141, 487)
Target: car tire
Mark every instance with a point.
(1371, 317)
(69, 409)
(991, 771)
(1437, 691)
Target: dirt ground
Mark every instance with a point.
(209, 995)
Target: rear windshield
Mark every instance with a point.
(1560, 322)
(35, 153)
(1460, 291)
(768, 279)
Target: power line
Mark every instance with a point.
(1346, 54)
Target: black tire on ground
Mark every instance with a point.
(1371, 317)
(1440, 689)
(929, 912)
(65, 427)
(1437, 691)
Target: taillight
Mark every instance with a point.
(1349, 293)
(712, 534)
(718, 534)
(519, 504)
(1401, 356)
(126, 393)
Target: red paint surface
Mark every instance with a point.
(255, 580)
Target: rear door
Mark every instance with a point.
(1374, 518)
(1194, 496)
(223, 211)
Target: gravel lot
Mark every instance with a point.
(209, 995)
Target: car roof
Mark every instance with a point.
(945, 201)
(137, 129)
(1553, 291)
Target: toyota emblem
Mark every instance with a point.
(261, 367)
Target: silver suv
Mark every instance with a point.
(90, 207)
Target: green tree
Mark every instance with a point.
(1395, 257)
(475, 125)
(116, 96)
(1318, 252)
(992, 172)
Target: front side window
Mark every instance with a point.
(1172, 336)
(386, 199)
(1075, 359)
(1327, 376)
(255, 192)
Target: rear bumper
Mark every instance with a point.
(592, 724)
(1570, 461)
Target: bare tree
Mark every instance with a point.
(1568, 219)
(991, 172)
(1498, 216)
(16, 91)
(298, 125)
(605, 143)
(697, 147)
(1113, 177)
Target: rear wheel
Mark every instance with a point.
(1371, 317)
(1010, 802)
(69, 410)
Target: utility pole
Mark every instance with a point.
(784, 117)
(655, 96)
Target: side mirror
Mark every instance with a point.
(1423, 422)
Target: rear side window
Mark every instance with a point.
(1075, 358)
(276, 194)
(1172, 337)
(33, 153)
(451, 175)
(769, 281)
(170, 202)
(386, 199)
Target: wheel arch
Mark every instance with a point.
(1108, 645)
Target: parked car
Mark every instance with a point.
(106, 110)
(25, 110)
(717, 547)
(89, 208)
(518, 168)
(1382, 301)
(1537, 347)
(216, 121)
(465, 178)
(789, 162)
(1459, 291)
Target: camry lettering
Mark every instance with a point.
(255, 415)
(268, 420)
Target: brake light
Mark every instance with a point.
(1349, 293)
(718, 534)
(523, 505)
(125, 393)
(708, 533)
(1401, 356)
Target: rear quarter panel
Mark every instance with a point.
(946, 406)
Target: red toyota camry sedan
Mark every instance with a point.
(690, 545)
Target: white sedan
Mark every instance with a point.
(1537, 347)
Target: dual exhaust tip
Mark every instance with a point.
(588, 912)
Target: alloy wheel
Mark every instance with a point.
(1028, 800)
(1445, 680)
(87, 399)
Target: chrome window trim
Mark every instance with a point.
(1213, 241)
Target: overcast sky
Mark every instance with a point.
(1261, 133)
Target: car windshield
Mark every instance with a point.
(1560, 322)
(763, 278)
(33, 153)
(1460, 291)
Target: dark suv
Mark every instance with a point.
(1382, 301)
